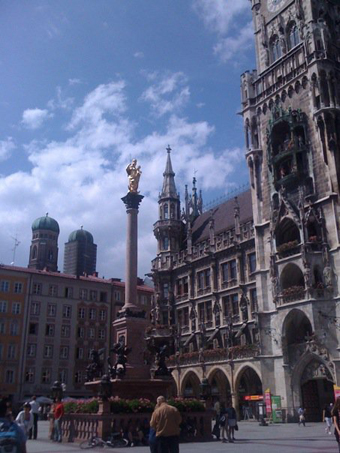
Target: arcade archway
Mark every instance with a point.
(249, 391)
(191, 385)
(316, 389)
(220, 386)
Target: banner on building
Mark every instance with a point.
(336, 391)
(268, 401)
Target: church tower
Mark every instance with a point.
(291, 112)
(44, 246)
(80, 254)
(168, 232)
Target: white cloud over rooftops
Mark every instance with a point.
(6, 148)
(226, 48)
(81, 179)
(219, 17)
(34, 118)
(168, 94)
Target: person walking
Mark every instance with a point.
(35, 406)
(301, 414)
(165, 421)
(58, 417)
(25, 419)
(327, 417)
(336, 420)
(231, 422)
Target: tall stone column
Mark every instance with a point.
(131, 201)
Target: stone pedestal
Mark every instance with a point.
(136, 388)
(132, 328)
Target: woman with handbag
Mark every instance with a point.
(232, 422)
(223, 422)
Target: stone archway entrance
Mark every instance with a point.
(191, 386)
(220, 386)
(316, 390)
(249, 385)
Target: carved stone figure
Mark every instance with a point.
(327, 277)
(95, 369)
(121, 350)
(264, 36)
(134, 174)
(244, 307)
(299, 9)
(160, 360)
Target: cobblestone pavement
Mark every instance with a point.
(251, 438)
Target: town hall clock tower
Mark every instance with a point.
(291, 112)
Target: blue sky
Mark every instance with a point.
(86, 85)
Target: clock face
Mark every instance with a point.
(275, 5)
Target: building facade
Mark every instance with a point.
(51, 321)
(13, 302)
(285, 240)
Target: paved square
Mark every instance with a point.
(251, 438)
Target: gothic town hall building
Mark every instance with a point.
(250, 289)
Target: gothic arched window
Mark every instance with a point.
(165, 243)
(293, 36)
(276, 48)
(34, 253)
(172, 211)
(166, 212)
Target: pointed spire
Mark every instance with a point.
(194, 198)
(169, 187)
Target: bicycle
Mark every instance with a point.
(116, 441)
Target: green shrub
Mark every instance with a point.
(187, 405)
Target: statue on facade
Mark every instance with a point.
(134, 173)
(121, 350)
(95, 369)
(160, 360)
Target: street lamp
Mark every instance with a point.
(205, 388)
(57, 391)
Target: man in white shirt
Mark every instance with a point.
(35, 411)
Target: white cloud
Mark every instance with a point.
(169, 93)
(74, 81)
(109, 98)
(219, 17)
(34, 118)
(6, 148)
(228, 47)
(60, 101)
(80, 180)
(138, 55)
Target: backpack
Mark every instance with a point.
(10, 441)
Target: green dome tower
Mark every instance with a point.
(44, 246)
(80, 256)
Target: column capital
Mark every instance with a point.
(132, 200)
